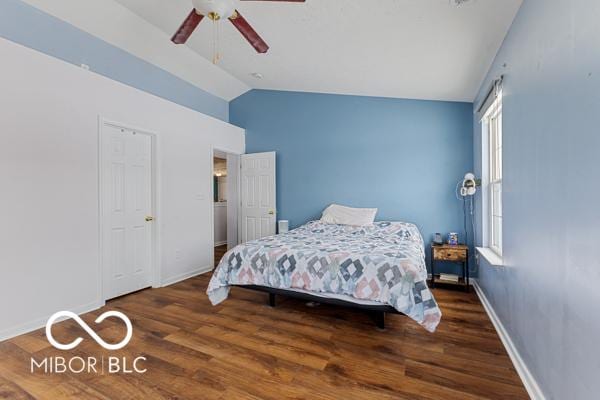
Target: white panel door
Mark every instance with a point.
(127, 220)
(258, 209)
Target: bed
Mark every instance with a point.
(379, 268)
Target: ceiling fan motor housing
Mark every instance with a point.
(215, 9)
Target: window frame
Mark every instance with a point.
(492, 126)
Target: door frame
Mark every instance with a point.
(213, 149)
(155, 268)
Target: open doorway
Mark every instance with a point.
(220, 204)
(226, 202)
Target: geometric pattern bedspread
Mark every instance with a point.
(383, 262)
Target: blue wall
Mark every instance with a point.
(547, 295)
(401, 156)
(26, 25)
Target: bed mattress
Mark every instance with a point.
(382, 263)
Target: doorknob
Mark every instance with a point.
(271, 212)
(149, 218)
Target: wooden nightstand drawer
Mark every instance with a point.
(444, 253)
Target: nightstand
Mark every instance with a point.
(458, 253)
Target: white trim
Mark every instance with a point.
(491, 256)
(186, 275)
(220, 244)
(531, 385)
(155, 267)
(41, 322)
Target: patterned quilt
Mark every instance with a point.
(383, 262)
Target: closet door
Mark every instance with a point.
(127, 221)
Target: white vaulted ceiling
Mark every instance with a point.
(421, 49)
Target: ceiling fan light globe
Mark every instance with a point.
(222, 8)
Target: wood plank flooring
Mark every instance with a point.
(242, 349)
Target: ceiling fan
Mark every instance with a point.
(218, 10)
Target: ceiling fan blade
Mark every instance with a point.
(248, 32)
(187, 27)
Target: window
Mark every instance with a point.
(493, 129)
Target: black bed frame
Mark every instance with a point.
(376, 312)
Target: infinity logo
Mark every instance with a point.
(89, 330)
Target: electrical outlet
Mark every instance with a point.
(177, 255)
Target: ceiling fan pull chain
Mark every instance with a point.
(214, 34)
(218, 42)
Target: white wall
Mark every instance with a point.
(113, 23)
(49, 110)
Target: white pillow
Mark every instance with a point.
(336, 214)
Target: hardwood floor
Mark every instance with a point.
(219, 253)
(242, 349)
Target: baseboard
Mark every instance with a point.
(220, 243)
(182, 277)
(529, 381)
(41, 322)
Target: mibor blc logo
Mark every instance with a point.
(98, 339)
(78, 364)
